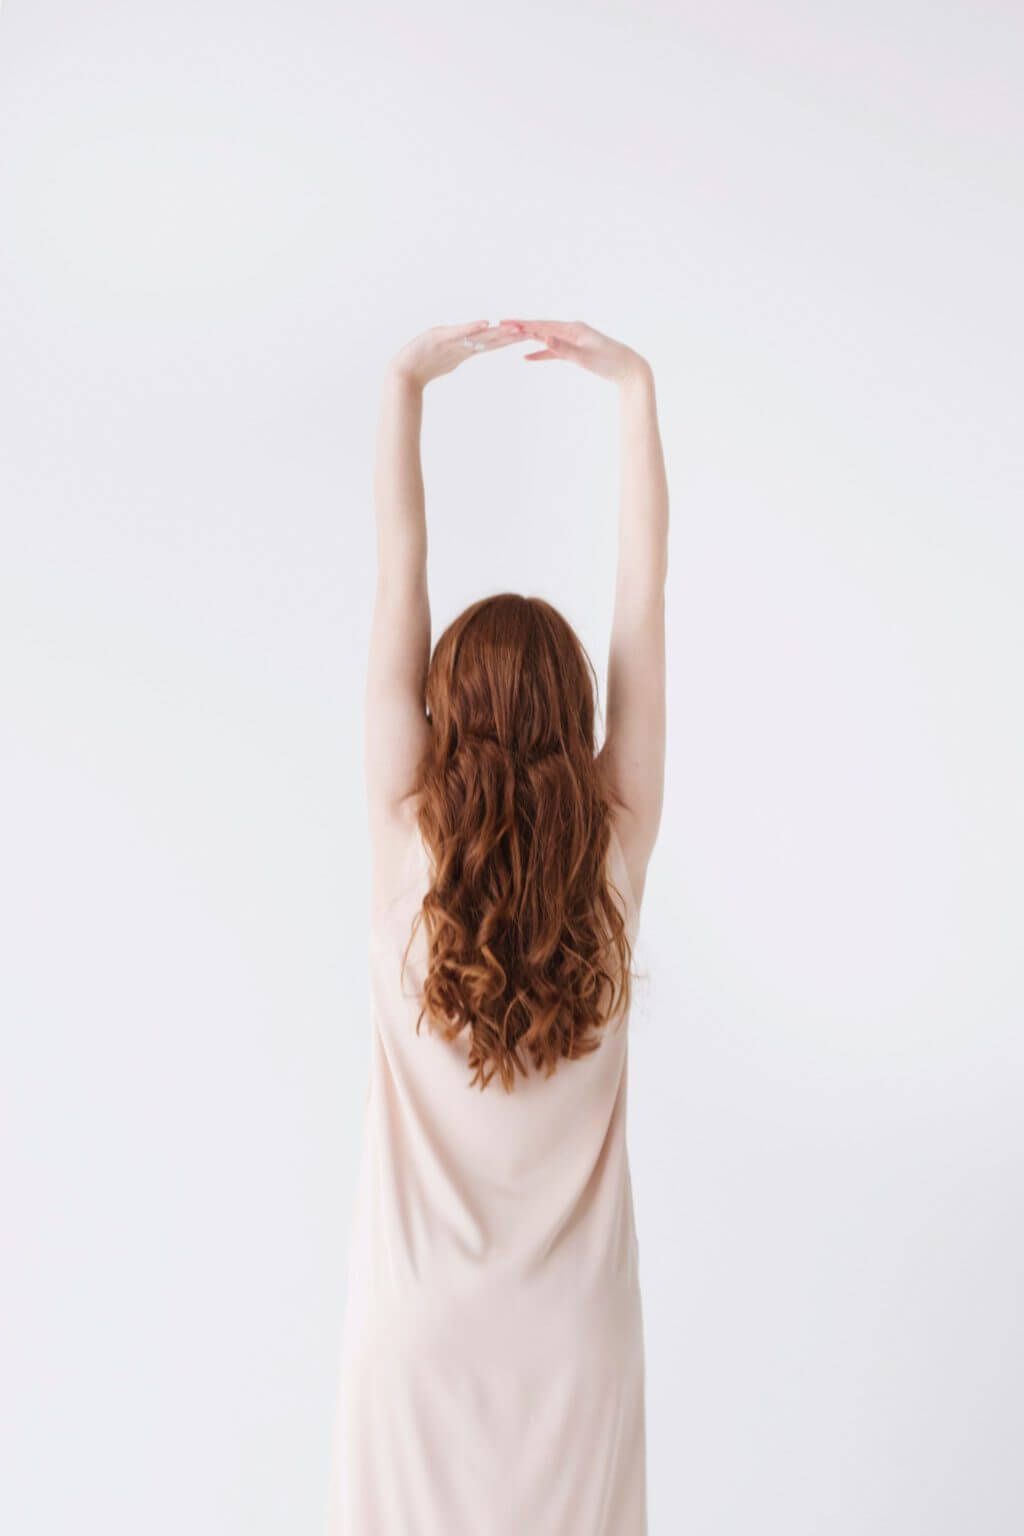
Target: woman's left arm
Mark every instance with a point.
(396, 726)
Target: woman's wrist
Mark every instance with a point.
(401, 375)
(638, 375)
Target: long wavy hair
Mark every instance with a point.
(527, 940)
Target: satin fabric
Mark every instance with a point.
(492, 1371)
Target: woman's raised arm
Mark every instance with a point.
(633, 754)
(634, 748)
(396, 725)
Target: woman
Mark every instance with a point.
(492, 1376)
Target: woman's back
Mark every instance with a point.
(493, 1340)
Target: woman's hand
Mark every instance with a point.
(575, 342)
(442, 348)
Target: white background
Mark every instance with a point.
(219, 220)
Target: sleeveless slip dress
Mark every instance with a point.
(492, 1367)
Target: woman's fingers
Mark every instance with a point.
(555, 334)
(463, 330)
(566, 329)
(442, 348)
(547, 325)
(449, 344)
(554, 339)
(501, 336)
(478, 327)
(538, 357)
(490, 340)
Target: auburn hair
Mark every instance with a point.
(527, 943)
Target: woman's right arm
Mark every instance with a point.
(633, 755)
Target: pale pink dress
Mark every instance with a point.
(492, 1375)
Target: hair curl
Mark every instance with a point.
(528, 947)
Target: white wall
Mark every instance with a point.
(219, 221)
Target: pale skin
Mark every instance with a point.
(397, 728)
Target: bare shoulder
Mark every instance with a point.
(632, 835)
(394, 842)
(636, 856)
